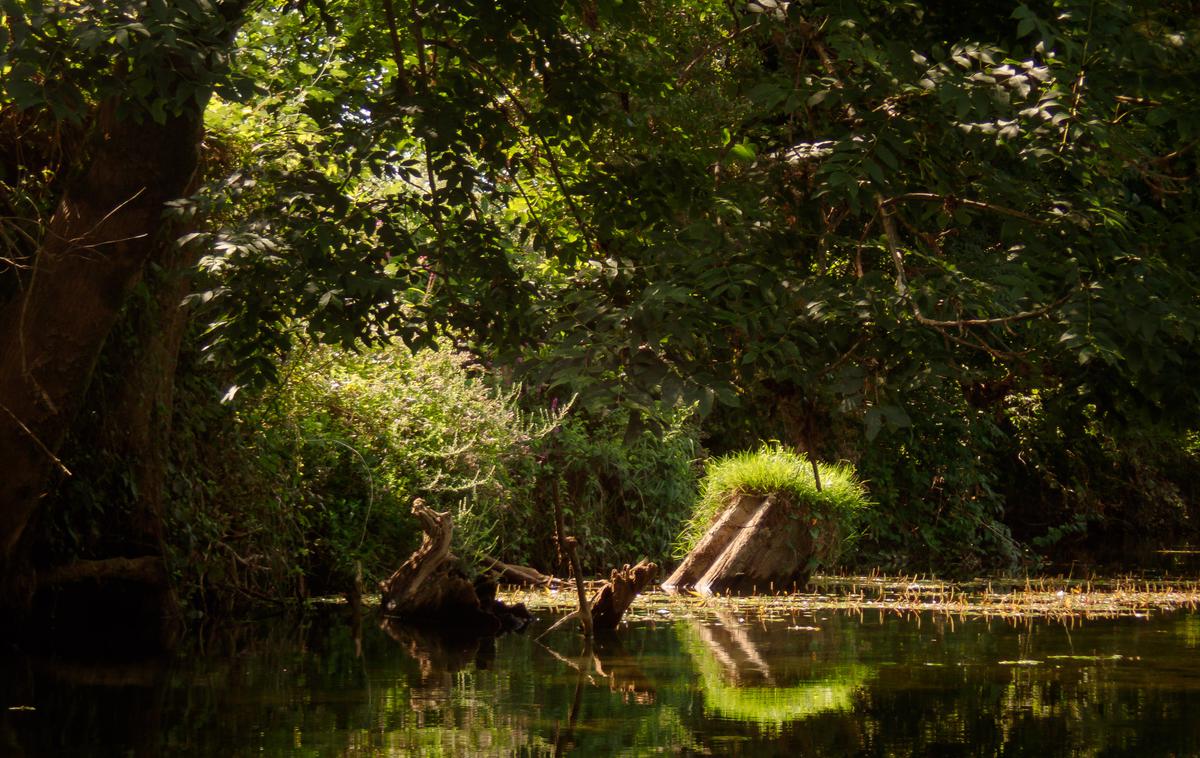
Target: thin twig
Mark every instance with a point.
(708, 50)
(36, 440)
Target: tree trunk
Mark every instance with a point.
(135, 423)
(105, 229)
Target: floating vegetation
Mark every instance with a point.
(1055, 598)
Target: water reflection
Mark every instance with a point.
(819, 684)
(739, 682)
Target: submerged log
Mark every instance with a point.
(432, 585)
(758, 545)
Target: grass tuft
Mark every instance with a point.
(788, 475)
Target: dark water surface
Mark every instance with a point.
(818, 683)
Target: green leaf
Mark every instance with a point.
(874, 171)
(886, 155)
(743, 151)
(874, 421)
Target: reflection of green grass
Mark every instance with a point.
(771, 707)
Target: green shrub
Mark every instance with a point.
(371, 431)
(940, 502)
(286, 492)
(836, 508)
(625, 489)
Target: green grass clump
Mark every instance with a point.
(776, 470)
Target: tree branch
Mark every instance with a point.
(950, 200)
(893, 240)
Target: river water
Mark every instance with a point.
(807, 683)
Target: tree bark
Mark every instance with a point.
(51, 335)
(95, 247)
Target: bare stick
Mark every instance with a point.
(567, 544)
(976, 204)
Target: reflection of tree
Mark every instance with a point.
(1116, 687)
(454, 703)
(624, 674)
(439, 656)
(740, 682)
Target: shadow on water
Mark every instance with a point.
(819, 683)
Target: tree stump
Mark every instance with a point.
(432, 585)
(615, 597)
(757, 545)
(714, 542)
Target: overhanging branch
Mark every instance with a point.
(893, 241)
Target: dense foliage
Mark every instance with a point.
(309, 486)
(949, 244)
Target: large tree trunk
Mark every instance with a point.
(105, 228)
(107, 225)
(137, 406)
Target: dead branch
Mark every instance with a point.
(522, 575)
(145, 570)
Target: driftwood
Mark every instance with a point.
(432, 585)
(520, 575)
(757, 545)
